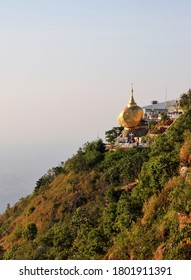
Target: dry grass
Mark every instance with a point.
(160, 202)
(46, 205)
(185, 152)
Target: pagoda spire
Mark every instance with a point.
(132, 101)
(132, 89)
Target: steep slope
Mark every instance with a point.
(123, 204)
(67, 207)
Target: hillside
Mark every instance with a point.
(99, 204)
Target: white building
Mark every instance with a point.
(156, 109)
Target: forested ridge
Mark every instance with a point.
(102, 204)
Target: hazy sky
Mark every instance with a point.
(66, 67)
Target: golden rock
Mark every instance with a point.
(131, 115)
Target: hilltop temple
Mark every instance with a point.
(131, 119)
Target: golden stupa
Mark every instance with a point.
(131, 115)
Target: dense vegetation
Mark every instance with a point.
(99, 204)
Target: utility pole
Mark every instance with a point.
(166, 97)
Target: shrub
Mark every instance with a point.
(87, 157)
(185, 152)
(30, 231)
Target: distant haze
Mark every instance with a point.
(67, 67)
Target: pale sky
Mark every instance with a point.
(66, 67)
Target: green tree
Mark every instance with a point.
(127, 211)
(112, 134)
(2, 251)
(30, 231)
(87, 157)
(185, 100)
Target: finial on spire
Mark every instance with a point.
(132, 102)
(132, 88)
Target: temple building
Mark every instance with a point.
(131, 119)
(156, 109)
